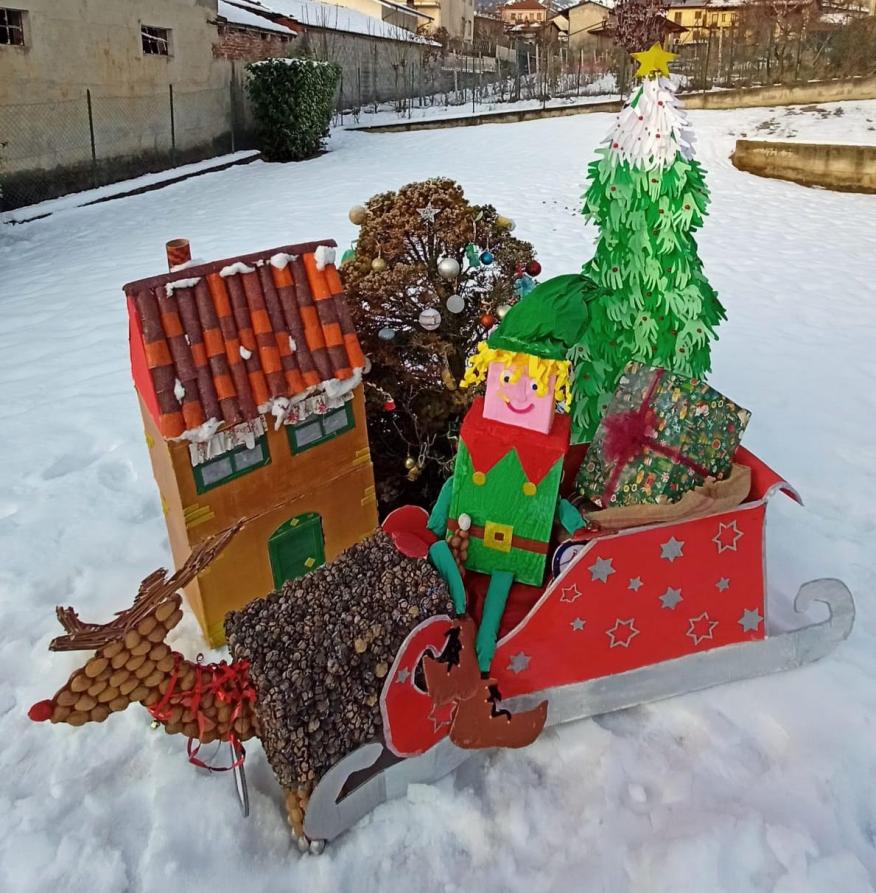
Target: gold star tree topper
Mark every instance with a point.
(654, 61)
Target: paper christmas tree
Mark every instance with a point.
(648, 196)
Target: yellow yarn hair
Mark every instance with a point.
(539, 370)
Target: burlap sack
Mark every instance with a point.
(709, 499)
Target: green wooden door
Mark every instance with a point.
(296, 547)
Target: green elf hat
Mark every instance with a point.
(549, 320)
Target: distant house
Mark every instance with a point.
(603, 34)
(456, 17)
(698, 17)
(575, 22)
(248, 375)
(705, 20)
(523, 12)
(247, 36)
(488, 31)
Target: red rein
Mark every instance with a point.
(629, 433)
(228, 683)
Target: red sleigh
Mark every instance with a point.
(627, 618)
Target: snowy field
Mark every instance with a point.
(765, 785)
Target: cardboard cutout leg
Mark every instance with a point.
(494, 607)
(443, 561)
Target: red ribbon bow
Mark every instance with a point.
(629, 433)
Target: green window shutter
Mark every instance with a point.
(296, 547)
(320, 428)
(231, 465)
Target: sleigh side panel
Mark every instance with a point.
(640, 597)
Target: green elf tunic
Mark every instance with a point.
(507, 480)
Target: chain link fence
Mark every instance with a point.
(53, 148)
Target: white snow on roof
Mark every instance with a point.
(238, 16)
(315, 14)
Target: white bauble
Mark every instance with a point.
(456, 303)
(430, 319)
(448, 268)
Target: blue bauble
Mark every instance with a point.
(487, 258)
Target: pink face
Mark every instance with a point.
(515, 401)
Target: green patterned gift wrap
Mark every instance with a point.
(662, 435)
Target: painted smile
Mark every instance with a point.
(526, 408)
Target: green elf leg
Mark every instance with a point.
(494, 608)
(440, 554)
(443, 561)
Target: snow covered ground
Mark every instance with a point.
(765, 785)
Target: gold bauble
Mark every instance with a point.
(358, 214)
(410, 462)
(378, 265)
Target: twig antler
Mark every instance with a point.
(155, 589)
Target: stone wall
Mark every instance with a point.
(247, 45)
(843, 168)
(374, 69)
(82, 104)
(836, 90)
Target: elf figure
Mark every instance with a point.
(503, 499)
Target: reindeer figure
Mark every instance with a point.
(132, 663)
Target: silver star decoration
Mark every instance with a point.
(403, 676)
(671, 549)
(570, 594)
(601, 570)
(635, 584)
(519, 662)
(671, 598)
(618, 625)
(707, 635)
(750, 620)
(720, 538)
(578, 624)
(428, 214)
(723, 584)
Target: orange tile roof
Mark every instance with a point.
(221, 341)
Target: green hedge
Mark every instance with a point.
(292, 101)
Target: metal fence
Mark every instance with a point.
(52, 148)
(49, 149)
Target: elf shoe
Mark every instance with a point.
(479, 721)
(454, 676)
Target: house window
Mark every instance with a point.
(231, 465)
(11, 27)
(156, 41)
(678, 18)
(318, 429)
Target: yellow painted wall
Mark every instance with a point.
(335, 479)
(698, 19)
(456, 16)
(581, 18)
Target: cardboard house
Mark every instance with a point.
(248, 373)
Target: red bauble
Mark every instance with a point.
(389, 405)
(488, 320)
(533, 268)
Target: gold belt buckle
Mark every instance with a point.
(498, 536)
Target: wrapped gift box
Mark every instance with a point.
(662, 435)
